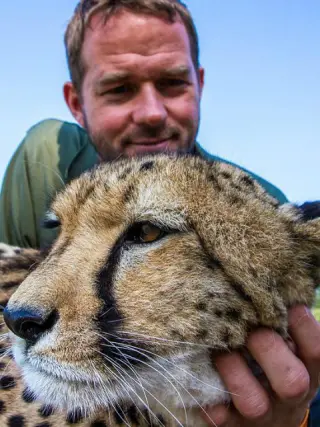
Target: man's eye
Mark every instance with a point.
(119, 90)
(144, 233)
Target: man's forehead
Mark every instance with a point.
(128, 16)
(126, 30)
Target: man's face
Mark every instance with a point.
(140, 92)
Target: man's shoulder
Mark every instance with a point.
(270, 188)
(53, 132)
(63, 144)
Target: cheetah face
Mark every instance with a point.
(159, 261)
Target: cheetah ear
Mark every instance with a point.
(310, 210)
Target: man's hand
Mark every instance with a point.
(293, 378)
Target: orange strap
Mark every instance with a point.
(305, 420)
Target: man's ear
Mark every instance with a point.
(73, 101)
(201, 79)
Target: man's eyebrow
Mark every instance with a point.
(181, 70)
(120, 76)
(111, 78)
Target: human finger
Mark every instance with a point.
(286, 373)
(305, 332)
(247, 394)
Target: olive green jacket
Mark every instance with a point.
(51, 155)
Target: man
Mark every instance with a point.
(135, 88)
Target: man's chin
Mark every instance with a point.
(167, 146)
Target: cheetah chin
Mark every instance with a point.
(71, 389)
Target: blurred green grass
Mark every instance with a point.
(316, 307)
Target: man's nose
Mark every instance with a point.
(150, 109)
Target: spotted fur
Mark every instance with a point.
(159, 262)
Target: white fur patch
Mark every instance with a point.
(7, 251)
(171, 386)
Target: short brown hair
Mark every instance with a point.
(170, 10)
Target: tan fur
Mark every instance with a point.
(232, 260)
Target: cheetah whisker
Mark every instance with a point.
(160, 373)
(106, 390)
(114, 364)
(154, 397)
(149, 338)
(176, 366)
(122, 380)
(167, 379)
(128, 364)
(166, 371)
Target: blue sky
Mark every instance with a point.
(261, 104)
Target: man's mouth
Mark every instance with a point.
(151, 141)
(152, 145)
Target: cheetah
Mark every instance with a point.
(160, 262)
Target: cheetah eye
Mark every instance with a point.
(51, 221)
(144, 232)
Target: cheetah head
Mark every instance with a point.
(159, 261)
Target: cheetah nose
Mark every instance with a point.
(29, 324)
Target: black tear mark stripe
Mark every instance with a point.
(109, 318)
(104, 282)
